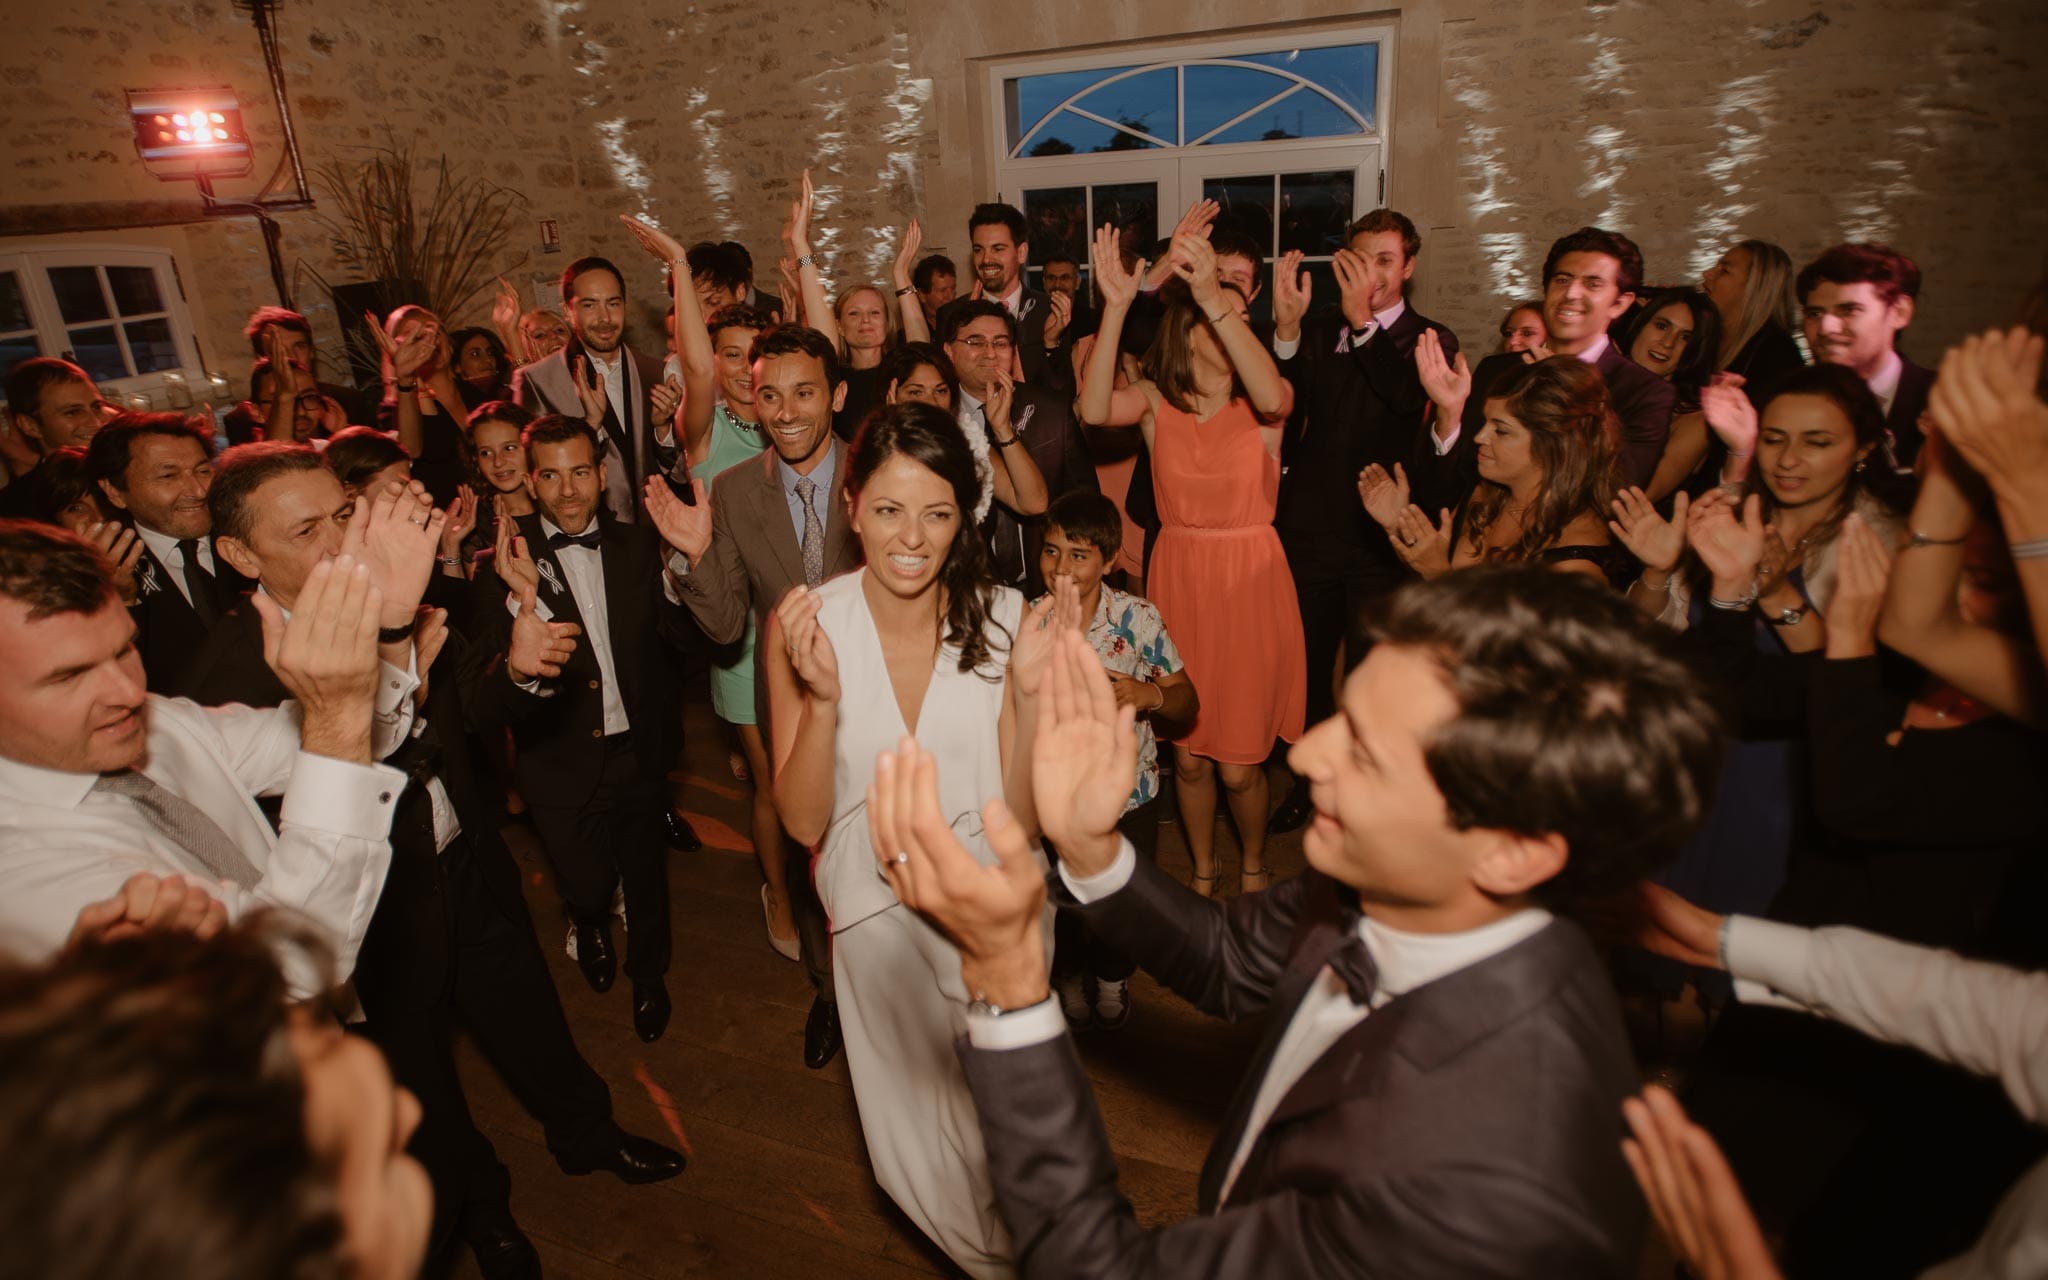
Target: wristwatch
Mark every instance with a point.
(1788, 617)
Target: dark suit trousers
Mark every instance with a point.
(813, 927)
(1079, 949)
(1337, 586)
(613, 839)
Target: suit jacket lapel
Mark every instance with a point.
(554, 589)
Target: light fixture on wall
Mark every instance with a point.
(190, 134)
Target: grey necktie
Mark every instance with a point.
(814, 532)
(186, 825)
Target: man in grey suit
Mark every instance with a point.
(601, 380)
(766, 526)
(1439, 1091)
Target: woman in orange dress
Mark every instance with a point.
(1211, 405)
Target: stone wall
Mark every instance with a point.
(1914, 120)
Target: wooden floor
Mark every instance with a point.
(778, 1181)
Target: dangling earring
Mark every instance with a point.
(1863, 462)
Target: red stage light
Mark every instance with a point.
(186, 133)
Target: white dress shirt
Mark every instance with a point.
(165, 548)
(1406, 961)
(584, 569)
(64, 845)
(1884, 384)
(1985, 1018)
(1284, 348)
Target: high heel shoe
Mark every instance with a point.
(787, 948)
(1204, 885)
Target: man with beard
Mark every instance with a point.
(599, 379)
(765, 526)
(999, 255)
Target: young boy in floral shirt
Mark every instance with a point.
(1082, 534)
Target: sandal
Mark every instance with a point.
(1204, 885)
(1263, 874)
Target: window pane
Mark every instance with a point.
(1027, 100)
(1217, 94)
(1057, 218)
(151, 345)
(1247, 206)
(13, 306)
(135, 291)
(1306, 114)
(15, 350)
(97, 351)
(1351, 72)
(1149, 101)
(1133, 207)
(78, 294)
(1314, 210)
(1069, 134)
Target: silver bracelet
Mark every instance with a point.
(803, 262)
(1915, 538)
(2031, 549)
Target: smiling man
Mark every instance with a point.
(1589, 279)
(1855, 300)
(998, 258)
(1444, 1061)
(51, 404)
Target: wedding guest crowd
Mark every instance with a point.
(1681, 655)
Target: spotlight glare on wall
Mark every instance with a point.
(190, 133)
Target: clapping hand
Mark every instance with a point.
(1119, 287)
(410, 354)
(1057, 317)
(1059, 610)
(123, 549)
(1198, 220)
(991, 913)
(511, 560)
(1730, 414)
(1194, 261)
(395, 535)
(460, 518)
(1731, 548)
(1650, 538)
(505, 309)
(1863, 568)
(1693, 1193)
(1985, 404)
(682, 525)
(539, 647)
(325, 655)
(662, 246)
(1084, 757)
(1292, 290)
(148, 903)
(1423, 546)
(1002, 393)
(1385, 497)
(1447, 384)
(809, 648)
(589, 378)
(906, 254)
(663, 399)
(1354, 287)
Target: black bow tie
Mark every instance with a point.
(589, 539)
(1353, 962)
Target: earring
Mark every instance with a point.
(1862, 462)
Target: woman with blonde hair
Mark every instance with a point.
(1751, 287)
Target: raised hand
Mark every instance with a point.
(410, 355)
(505, 309)
(588, 376)
(792, 292)
(810, 649)
(1197, 221)
(796, 231)
(1119, 287)
(1354, 288)
(906, 254)
(664, 398)
(1692, 1192)
(539, 647)
(460, 518)
(990, 913)
(1059, 610)
(1385, 497)
(333, 417)
(662, 246)
(1292, 289)
(1863, 569)
(1002, 393)
(148, 903)
(1195, 262)
(1448, 385)
(123, 549)
(1730, 415)
(514, 566)
(325, 655)
(1731, 548)
(1985, 404)
(395, 535)
(683, 526)
(1652, 539)
(1083, 757)
(1057, 317)
(1422, 546)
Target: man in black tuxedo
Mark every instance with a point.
(980, 338)
(1444, 1063)
(451, 933)
(596, 742)
(1590, 278)
(156, 467)
(1357, 401)
(1855, 300)
(1000, 252)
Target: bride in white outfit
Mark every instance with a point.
(920, 641)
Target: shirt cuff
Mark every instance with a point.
(341, 797)
(1035, 1024)
(1766, 959)
(394, 687)
(1285, 348)
(1100, 885)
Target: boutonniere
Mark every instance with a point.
(146, 582)
(1023, 418)
(547, 571)
(1025, 310)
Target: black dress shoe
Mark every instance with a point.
(1293, 811)
(821, 1033)
(650, 1010)
(629, 1159)
(678, 832)
(594, 955)
(502, 1250)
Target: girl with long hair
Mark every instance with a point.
(1211, 405)
(1677, 336)
(922, 640)
(1751, 285)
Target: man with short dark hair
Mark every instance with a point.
(155, 468)
(1061, 273)
(762, 528)
(1590, 278)
(278, 331)
(1000, 254)
(51, 405)
(937, 282)
(602, 381)
(1014, 418)
(1444, 1057)
(1855, 300)
(1358, 401)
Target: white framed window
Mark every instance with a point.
(1287, 132)
(118, 312)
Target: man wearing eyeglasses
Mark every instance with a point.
(300, 411)
(51, 404)
(981, 338)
